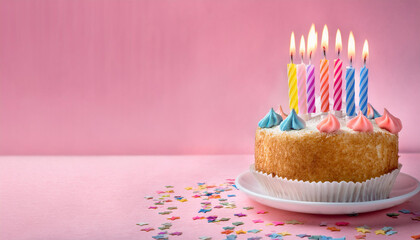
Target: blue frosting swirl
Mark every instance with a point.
(375, 113)
(292, 122)
(270, 120)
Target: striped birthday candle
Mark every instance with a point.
(363, 96)
(350, 106)
(337, 84)
(310, 90)
(293, 93)
(325, 87)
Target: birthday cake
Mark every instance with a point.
(329, 156)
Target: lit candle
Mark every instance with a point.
(310, 71)
(350, 107)
(325, 87)
(364, 80)
(291, 74)
(301, 78)
(337, 74)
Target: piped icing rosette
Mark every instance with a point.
(283, 115)
(270, 120)
(292, 122)
(329, 124)
(372, 113)
(389, 122)
(360, 124)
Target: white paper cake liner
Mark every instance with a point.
(369, 190)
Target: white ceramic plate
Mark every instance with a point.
(404, 188)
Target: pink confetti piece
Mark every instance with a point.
(275, 223)
(176, 233)
(258, 221)
(147, 229)
(342, 223)
(262, 212)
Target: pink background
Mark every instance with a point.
(181, 77)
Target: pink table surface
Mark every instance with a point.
(103, 198)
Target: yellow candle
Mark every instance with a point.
(292, 76)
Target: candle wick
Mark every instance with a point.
(338, 53)
(291, 58)
(325, 53)
(351, 61)
(364, 62)
(302, 58)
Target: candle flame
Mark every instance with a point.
(365, 53)
(302, 46)
(312, 38)
(351, 47)
(338, 42)
(324, 39)
(292, 45)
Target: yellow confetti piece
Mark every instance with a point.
(362, 230)
(240, 232)
(380, 232)
(188, 188)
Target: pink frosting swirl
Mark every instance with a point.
(389, 122)
(282, 114)
(360, 123)
(329, 124)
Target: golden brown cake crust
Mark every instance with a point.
(309, 155)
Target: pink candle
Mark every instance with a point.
(337, 74)
(301, 78)
(310, 71)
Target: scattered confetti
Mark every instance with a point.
(258, 221)
(172, 208)
(405, 211)
(228, 228)
(285, 234)
(147, 229)
(239, 215)
(274, 236)
(333, 229)
(204, 210)
(224, 219)
(165, 212)
(416, 237)
(362, 230)
(391, 232)
(393, 215)
(152, 207)
(254, 230)
(142, 223)
(416, 218)
(303, 235)
(262, 212)
(204, 237)
(248, 208)
(173, 218)
(160, 237)
(276, 223)
(231, 195)
(293, 222)
(231, 237)
(227, 232)
(240, 232)
(380, 232)
(237, 223)
(360, 236)
(342, 223)
(148, 197)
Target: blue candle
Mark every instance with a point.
(350, 107)
(364, 80)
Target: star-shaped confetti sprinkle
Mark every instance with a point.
(276, 223)
(362, 230)
(173, 218)
(175, 233)
(227, 232)
(285, 234)
(360, 236)
(316, 237)
(165, 212)
(218, 206)
(228, 228)
(240, 232)
(198, 217)
(380, 232)
(416, 218)
(303, 235)
(342, 223)
(386, 229)
(231, 237)
(262, 212)
(239, 215)
(237, 223)
(160, 237)
(416, 237)
(393, 215)
(224, 219)
(333, 229)
(204, 238)
(231, 195)
(391, 232)
(152, 207)
(254, 230)
(258, 221)
(188, 188)
(142, 223)
(274, 236)
(405, 211)
(148, 197)
(365, 226)
(172, 208)
(147, 229)
(204, 210)
(248, 208)
(183, 200)
(163, 233)
(294, 222)
(169, 186)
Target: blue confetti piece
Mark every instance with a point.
(405, 211)
(232, 195)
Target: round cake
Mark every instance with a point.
(310, 155)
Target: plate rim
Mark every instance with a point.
(282, 200)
